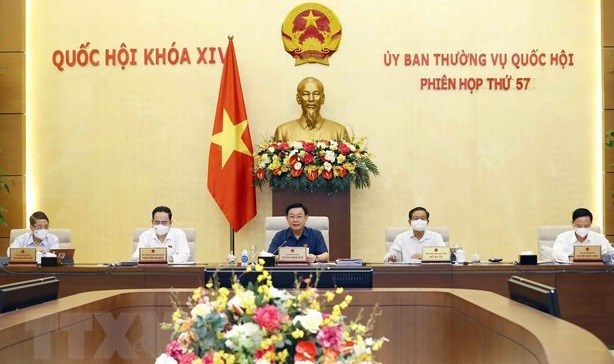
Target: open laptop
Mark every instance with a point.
(66, 255)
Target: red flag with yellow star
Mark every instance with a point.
(231, 153)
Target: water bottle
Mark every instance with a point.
(244, 258)
(460, 256)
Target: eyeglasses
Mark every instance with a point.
(296, 217)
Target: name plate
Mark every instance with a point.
(436, 254)
(587, 253)
(22, 255)
(152, 255)
(293, 254)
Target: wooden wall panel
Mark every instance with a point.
(12, 144)
(12, 26)
(12, 83)
(608, 77)
(14, 203)
(608, 203)
(608, 152)
(607, 22)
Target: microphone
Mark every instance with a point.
(280, 245)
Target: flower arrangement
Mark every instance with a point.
(263, 325)
(309, 166)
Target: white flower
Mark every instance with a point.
(333, 145)
(293, 152)
(321, 145)
(297, 165)
(369, 341)
(165, 359)
(328, 166)
(330, 156)
(351, 146)
(201, 310)
(241, 299)
(262, 361)
(247, 335)
(297, 145)
(311, 321)
(271, 150)
(282, 295)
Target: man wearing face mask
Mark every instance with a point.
(581, 220)
(39, 238)
(408, 245)
(163, 235)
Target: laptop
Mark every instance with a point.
(66, 255)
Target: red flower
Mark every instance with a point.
(308, 158)
(305, 350)
(312, 175)
(293, 159)
(309, 146)
(259, 353)
(208, 359)
(260, 174)
(343, 148)
(346, 347)
(330, 337)
(342, 172)
(174, 349)
(327, 174)
(283, 146)
(296, 172)
(268, 317)
(187, 358)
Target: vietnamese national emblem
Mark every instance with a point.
(311, 33)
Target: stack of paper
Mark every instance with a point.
(350, 262)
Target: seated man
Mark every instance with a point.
(581, 220)
(297, 234)
(39, 238)
(408, 245)
(163, 235)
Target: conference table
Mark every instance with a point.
(585, 291)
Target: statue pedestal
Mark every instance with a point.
(335, 206)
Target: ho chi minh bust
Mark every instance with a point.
(310, 125)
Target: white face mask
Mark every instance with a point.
(419, 225)
(161, 229)
(582, 232)
(41, 234)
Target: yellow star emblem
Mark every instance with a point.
(311, 20)
(230, 138)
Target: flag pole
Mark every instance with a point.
(232, 241)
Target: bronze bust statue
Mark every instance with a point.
(310, 125)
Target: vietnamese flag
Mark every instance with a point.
(231, 158)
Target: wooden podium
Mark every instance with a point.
(335, 206)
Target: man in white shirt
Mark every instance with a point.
(408, 245)
(163, 235)
(39, 236)
(581, 220)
